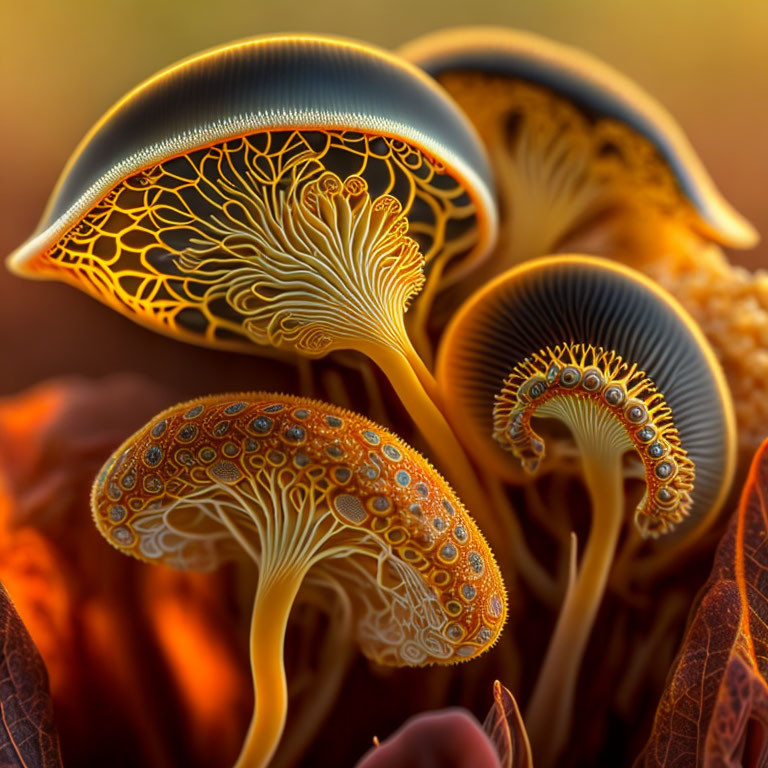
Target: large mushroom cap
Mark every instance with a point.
(172, 167)
(597, 90)
(548, 302)
(208, 479)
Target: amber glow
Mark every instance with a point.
(210, 685)
(355, 249)
(24, 416)
(30, 571)
(64, 590)
(29, 566)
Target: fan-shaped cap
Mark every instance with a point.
(597, 89)
(268, 83)
(414, 559)
(548, 302)
(192, 192)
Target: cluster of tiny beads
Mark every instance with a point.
(593, 374)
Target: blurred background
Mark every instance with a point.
(62, 64)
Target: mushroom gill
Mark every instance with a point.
(306, 491)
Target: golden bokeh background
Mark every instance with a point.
(63, 63)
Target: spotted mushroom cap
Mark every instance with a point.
(543, 312)
(160, 495)
(178, 180)
(593, 87)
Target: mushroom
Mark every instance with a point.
(574, 144)
(282, 192)
(608, 353)
(306, 491)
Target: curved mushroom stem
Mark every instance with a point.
(423, 374)
(418, 316)
(548, 719)
(550, 710)
(271, 608)
(411, 381)
(337, 655)
(533, 573)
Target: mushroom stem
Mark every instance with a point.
(550, 710)
(430, 421)
(423, 374)
(533, 573)
(337, 655)
(418, 316)
(271, 608)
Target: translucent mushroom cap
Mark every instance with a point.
(595, 88)
(208, 479)
(189, 174)
(549, 302)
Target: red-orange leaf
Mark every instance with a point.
(714, 711)
(27, 734)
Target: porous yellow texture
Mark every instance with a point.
(730, 304)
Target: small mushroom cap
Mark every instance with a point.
(267, 83)
(571, 299)
(610, 406)
(160, 498)
(596, 88)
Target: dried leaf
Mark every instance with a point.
(504, 727)
(27, 733)
(714, 711)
